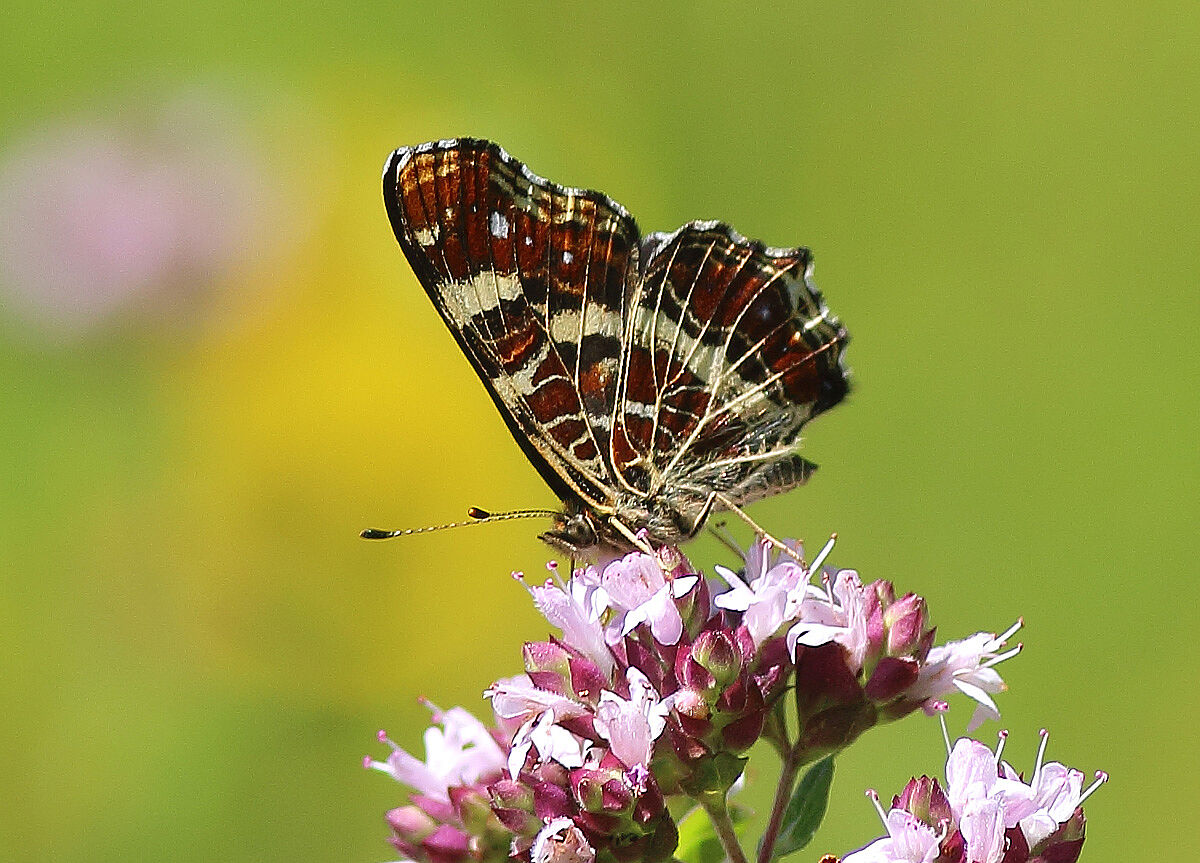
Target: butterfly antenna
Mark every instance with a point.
(477, 515)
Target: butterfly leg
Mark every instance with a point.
(717, 530)
(705, 512)
(770, 540)
(639, 543)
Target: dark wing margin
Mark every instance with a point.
(531, 279)
(731, 351)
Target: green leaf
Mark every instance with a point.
(806, 808)
(698, 842)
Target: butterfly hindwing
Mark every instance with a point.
(731, 351)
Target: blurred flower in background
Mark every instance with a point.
(139, 211)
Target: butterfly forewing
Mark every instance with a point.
(530, 277)
(640, 376)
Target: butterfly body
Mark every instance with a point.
(650, 380)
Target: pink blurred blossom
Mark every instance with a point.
(102, 216)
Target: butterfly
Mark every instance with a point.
(651, 380)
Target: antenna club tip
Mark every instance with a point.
(376, 533)
(478, 513)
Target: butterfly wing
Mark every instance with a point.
(730, 350)
(531, 279)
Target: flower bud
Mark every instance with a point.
(716, 652)
(598, 790)
(411, 824)
(890, 678)
(447, 844)
(513, 803)
(546, 662)
(924, 798)
(474, 809)
(905, 624)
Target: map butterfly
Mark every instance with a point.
(651, 380)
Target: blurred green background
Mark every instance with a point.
(217, 368)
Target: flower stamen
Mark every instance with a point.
(1101, 778)
(815, 566)
(873, 795)
(1002, 738)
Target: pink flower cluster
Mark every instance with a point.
(986, 814)
(658, 683)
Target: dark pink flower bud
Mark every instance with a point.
(873, 612)
(474, 808)
(923, 797)
(743, 733)
(548, 665)
(890, 678)
(551, 800)
(718, 653)
(447, 844)
(599, 791)
(435, 807)
(837, 727)
(905, 622)
(510, 794)
(587, 680)
(411, 823)
(692, 675)
(513, 803)
(822, 678)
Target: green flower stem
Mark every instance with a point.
(715, 805)
(783, 793)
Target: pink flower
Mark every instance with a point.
(908, 841)
(631, 725)
(640, 592)
(1057, 791)
(516, 700)
(576, 609)
(987, 814)
(967, 666)
(461, 752)
(771, 594)
(551, 741)
(838, 615)
(449, 817)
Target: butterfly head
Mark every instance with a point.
(629, 525)
(574, 532)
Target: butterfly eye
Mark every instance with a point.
(574, 533)
(579, 531)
